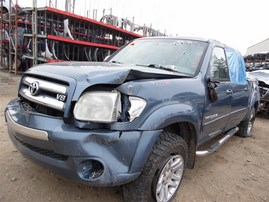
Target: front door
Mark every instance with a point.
(217, 110)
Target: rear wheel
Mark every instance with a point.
(162, 173)
(246, 126)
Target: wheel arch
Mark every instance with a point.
(187, 132)
(181, 119)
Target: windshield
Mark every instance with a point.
(182, 56)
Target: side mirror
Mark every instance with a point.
(211, 84)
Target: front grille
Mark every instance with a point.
(33, 107)
(44, 152)
(43, 95)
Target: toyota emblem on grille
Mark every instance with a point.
(33, 88)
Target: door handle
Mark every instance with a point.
(246, 89)
(229, 91)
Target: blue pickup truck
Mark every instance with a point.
(139, 118)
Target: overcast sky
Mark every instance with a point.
(237, 23)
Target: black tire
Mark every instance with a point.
(170, 149)
(246, 126)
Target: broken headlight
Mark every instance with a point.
(98, 106)
(136, 108)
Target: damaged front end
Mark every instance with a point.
(84, 125)
(91, 122)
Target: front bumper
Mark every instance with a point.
(64, 148)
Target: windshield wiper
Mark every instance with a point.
(168, 68)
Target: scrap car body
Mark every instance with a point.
(263, 81)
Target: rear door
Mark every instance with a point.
(240, 87)
(239, 104)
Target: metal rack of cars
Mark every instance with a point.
(59, 36)
(35, 35)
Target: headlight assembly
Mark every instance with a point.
(99, 106)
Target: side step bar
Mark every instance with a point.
(217, 144)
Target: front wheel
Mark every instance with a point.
(162, 173)
(246, 126)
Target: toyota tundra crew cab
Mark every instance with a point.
(139, 118)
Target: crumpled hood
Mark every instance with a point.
(101, 72)
(260, 75)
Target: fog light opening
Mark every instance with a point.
(91, 169)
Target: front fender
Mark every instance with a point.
(171, 114)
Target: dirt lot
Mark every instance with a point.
(238, 171)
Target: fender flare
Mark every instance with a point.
(165, 116)
(171, 114)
